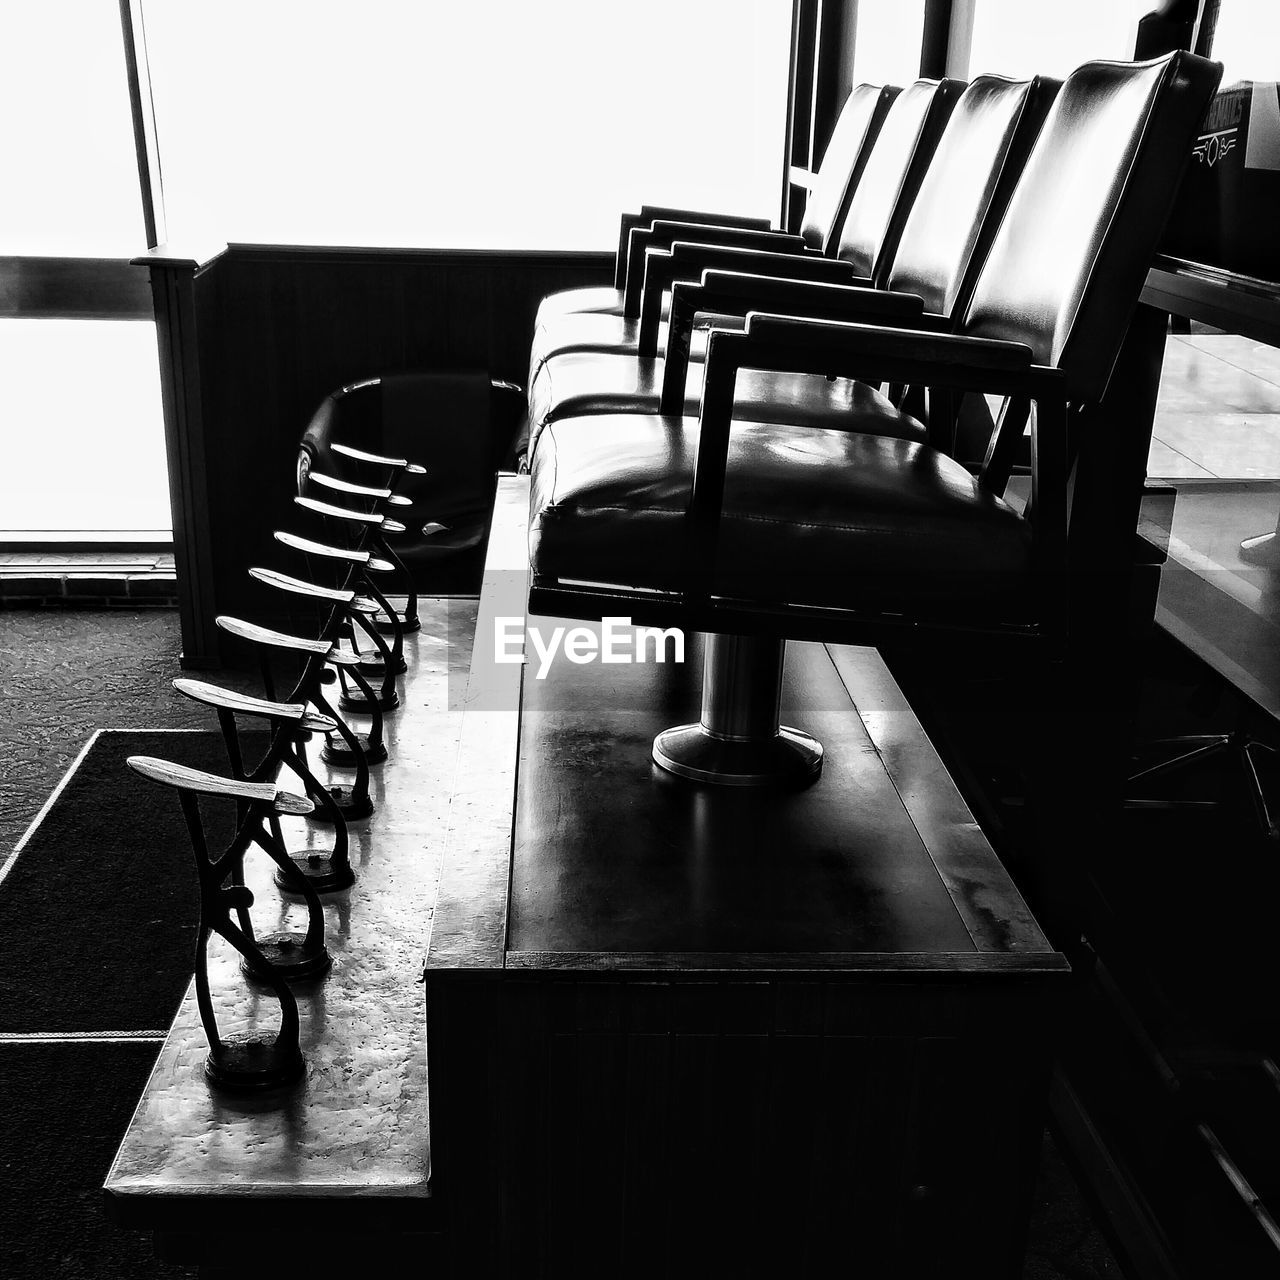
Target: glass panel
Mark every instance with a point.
(83, 432)
(887, 40)
(1247, 40)
(1024, 38)
(498, 123)
(71, 178)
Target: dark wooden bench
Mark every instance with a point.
(693, 1030)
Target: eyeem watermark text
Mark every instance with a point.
(617, 641)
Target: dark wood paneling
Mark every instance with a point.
(278, 328)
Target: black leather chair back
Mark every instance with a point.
(1067, 263)
(966, 189)
(843, 161)
(458, 424)
(893, 172)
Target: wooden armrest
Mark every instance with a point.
(347, 451)
(289, 805)
(370, 518)
(298, 543)
(265, 635)
(283, 640)
(346, 486)
(690, 261)
(651, 213)
(646, 242)
(212, 695)
(283, 582)
(184, 778)
(839, 337)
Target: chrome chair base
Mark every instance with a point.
(790, 758)
(738, 741)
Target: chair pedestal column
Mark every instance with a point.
(738, 741)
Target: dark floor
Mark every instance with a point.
(66, 673)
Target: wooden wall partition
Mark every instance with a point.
(253, 337)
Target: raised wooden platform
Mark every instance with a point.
(337, 1164)
(690, 1030)
(671, 1029)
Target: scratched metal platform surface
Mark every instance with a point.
(357, 1125)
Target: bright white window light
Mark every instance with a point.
(887, 40)
(81, 426)
(1247, 41)
(66, 151)
(1044, 37)
(490, 124)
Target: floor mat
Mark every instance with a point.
(98, 911)
(66, 1106)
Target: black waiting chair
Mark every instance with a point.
(870, 223)
(843, 159)
(755, 532)
(925, 272)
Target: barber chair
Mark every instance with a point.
(756, 532)
(842, 162)
(924, 268)
(890, 176)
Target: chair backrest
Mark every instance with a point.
(1067, 264)
(892, 175)
(966, 189)
(847, 150)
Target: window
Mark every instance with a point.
(1023, 38)
(1246, 40)
(71, 179)
(80, 412)
(492, 124)
(887, 40)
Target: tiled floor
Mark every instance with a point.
(1217, 438)
(1218, 415)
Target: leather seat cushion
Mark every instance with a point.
(604, 299)
(584, 332)
(598, 331)
(592, 383)
(811, 517)
(611, 333)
